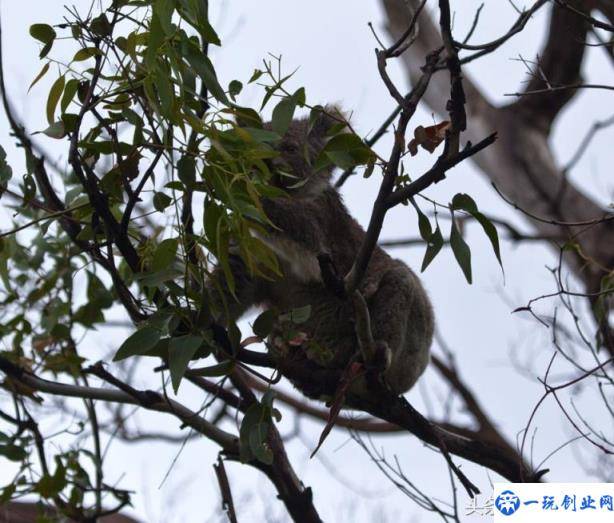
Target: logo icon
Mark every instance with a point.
(507, 502)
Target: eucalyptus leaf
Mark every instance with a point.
(283, 114)
(461, 250)
(43, 33)
(180, 351)
(54, 97)
(263, 324)
(434, 245)
(164, 254)
(138, 343)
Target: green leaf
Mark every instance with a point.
(435, 243)
(255, 75)
(464, 202)
(138, 343)
(180, 351)
(161, 201)
(97, 293)
(253, 433)
(246, 117)
(101, 26)
(263, 324)
(208, 33)
(165, 90)
(56, 130)
(347, 150)
(195, 12)
(300, 96)
(262, 135)
(50, 486)
(234, 88)
(88, 315)
(424, 225)
(54, 98)
(204, 69)
(42, 73)
(69, 93)
(43, 33)
(283, 114)
(491, 232)
(154, 41)
(258, 443)
(85, 53)
(461, 250)
(186, 170)
(164, 9)
(164, 254)
(13, 452)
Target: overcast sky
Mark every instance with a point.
(332, 47)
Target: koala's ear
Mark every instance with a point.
(323, 119)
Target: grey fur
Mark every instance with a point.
(311, 221)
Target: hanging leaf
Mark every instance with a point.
(204, 69)
(253, 434)
(434, 245)
(186, 170)
(69, 93)
(283, 114)
(54, 97)
(424, 225)
(461, 250)
(163, 10)
(56, 130)
(42, 73)
(464, 202)
(258, 443)
(180, 351)
(166, 92)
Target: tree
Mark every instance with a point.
(166, 176)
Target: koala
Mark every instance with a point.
(310, 221)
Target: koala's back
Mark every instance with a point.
(399, 307)
(402, 315)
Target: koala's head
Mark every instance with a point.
(294, 169)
